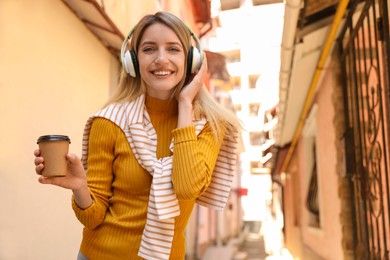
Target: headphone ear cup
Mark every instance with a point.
(135, 63)
(189, 63)
(130, 63)
(196, 60)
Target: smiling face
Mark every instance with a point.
(161, 59)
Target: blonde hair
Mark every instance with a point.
(129, 88)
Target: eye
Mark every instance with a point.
(148, 49)
(174, 49)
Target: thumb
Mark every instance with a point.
(72, 158)
(74, 165)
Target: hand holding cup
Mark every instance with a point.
(56, 166)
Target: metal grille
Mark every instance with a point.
(364, 47)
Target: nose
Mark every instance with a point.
(161, 57)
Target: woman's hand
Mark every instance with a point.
(187, 95)
(75, 178)
(189, 91)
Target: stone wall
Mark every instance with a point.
(344, 182)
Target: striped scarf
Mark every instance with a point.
(163, 205)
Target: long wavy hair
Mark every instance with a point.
(219, 118)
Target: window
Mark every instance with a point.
(256, 138)
(254, 109)
(236, 82)
(230, 4)
(264, 2)
(312, 194)
(258, 168)
(237, 107)
(311, 170)
(232, 55)
(253, 80)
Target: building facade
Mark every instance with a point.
(332, 133)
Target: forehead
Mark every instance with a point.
(159, 32)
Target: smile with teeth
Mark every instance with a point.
(162, 72)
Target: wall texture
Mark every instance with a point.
(54, 74)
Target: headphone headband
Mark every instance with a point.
(196, 39)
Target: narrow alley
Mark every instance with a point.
(251, 248)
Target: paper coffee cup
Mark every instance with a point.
(54, 149)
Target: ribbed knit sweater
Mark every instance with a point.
(120, 187)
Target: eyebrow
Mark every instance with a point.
(154, 43)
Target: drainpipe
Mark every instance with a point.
(291, 15)
(341, 8)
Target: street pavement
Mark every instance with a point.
(251, 248)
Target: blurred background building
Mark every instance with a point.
(248, 34)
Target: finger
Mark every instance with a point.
(204, 63)
(72, 158)
(73, 161)
(203, 69)
(74, 165)
(37, 152)
(52, 180)
(38, 160)
(39, 169)
(62, 182)
(45, 180)
(198, 77)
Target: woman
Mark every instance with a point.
(160, 145)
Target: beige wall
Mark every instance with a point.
(303, 240)
(323, 242)
(118, 10)
(53, 74)
(292, 215)
(326, 242)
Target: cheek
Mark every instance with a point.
(142, 62)
(182, 65)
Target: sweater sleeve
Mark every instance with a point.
(101, 154)
(193, 161)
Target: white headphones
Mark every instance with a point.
(130, 61)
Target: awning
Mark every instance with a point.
(92, 14)
(98, 22)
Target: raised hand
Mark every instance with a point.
(189, 91)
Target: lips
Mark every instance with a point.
(162, 72)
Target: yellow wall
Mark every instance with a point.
(125, 14)
(54, 73)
